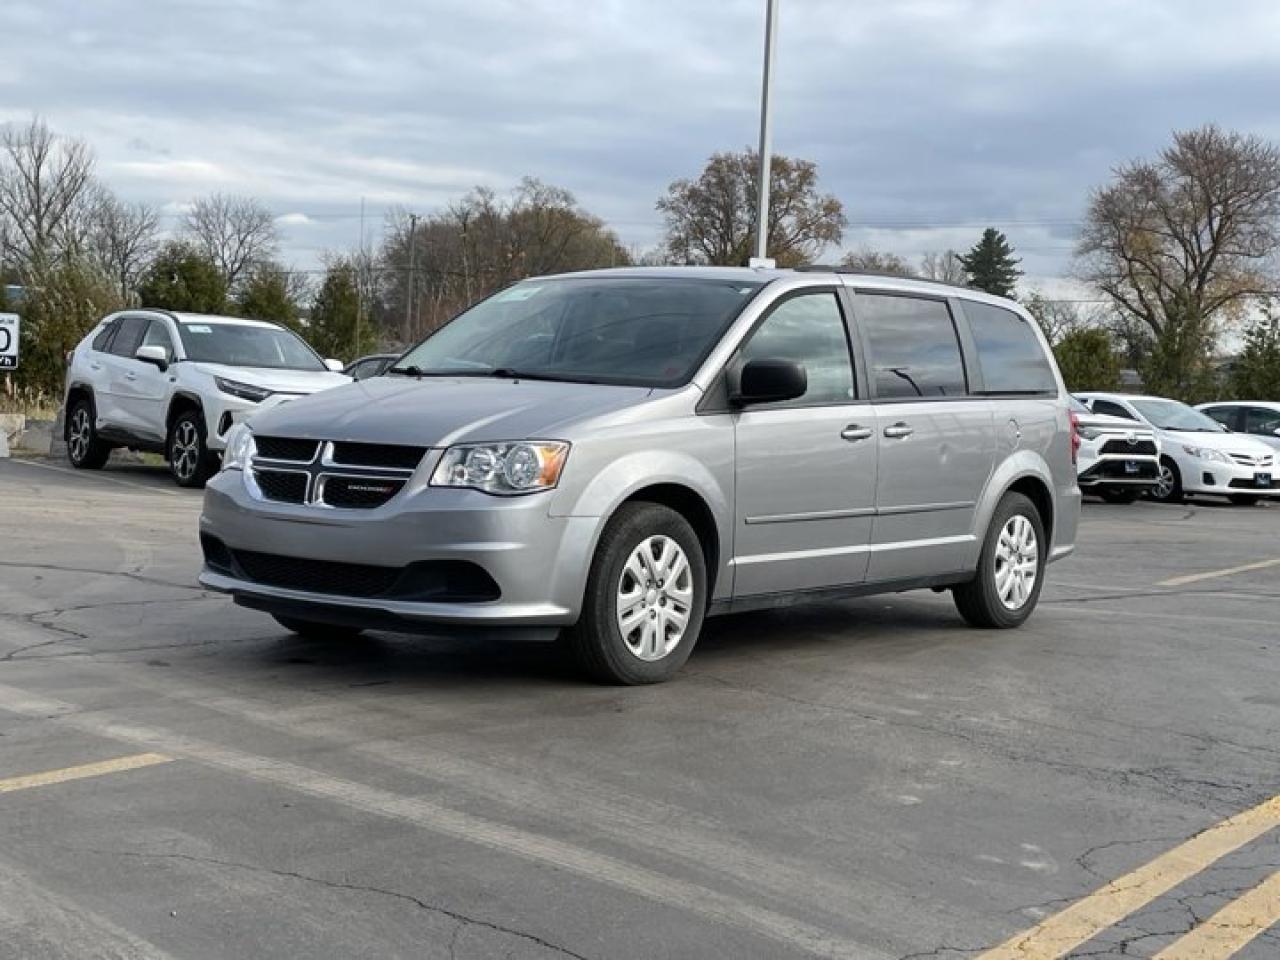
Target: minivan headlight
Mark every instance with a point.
(504, 469)
(240, 447)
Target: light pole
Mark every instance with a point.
(761, 258)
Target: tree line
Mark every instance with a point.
(1181, 250)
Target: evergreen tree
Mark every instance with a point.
(1256, 373)
(182, 278)
(1088, 360)
(336, 328)
(991, 265)
(265, 295)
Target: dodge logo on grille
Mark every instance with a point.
(371, 488)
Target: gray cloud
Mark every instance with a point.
(929, 118)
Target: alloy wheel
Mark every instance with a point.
(654, 598)
(80, 435)
(1017, 562)
(1164, 484)
(185, 452)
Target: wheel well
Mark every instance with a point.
(180, 404)
(1034, 490)
(78, 392)
(694, 509)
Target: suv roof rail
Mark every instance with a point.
(827, 268)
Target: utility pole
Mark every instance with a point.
(413, 268)
(761, 258)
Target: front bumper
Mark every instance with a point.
(539, 563)
(223, 411)
(1120, 471)
(1213, 476)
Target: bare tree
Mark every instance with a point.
(944, 267)
(1184, 240)
(875, 261)
(123, 238)
(712, 219)
(234, 232)
(46, 186)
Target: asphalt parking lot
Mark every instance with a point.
(180, 778)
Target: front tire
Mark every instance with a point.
(1010, 569)
(645, 600)
(1168, 488)
(85, 449)
(315, 630)
(190, 461)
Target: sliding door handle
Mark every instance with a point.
(855, 432)
(898, 431)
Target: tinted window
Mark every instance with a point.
(1112, 409)
(1229, 417)
(158, 335)
(128, 336)
(1009, 352)
(103, 340)
(1262, 421)
(247, 345)
(646, 331)
(914, 351)
(808, 329)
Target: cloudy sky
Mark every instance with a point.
(928, 118)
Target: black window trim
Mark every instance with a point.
(964, 344)
(154, 318)
(969, 344)
(112, 328)
(130, 315)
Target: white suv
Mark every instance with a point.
(175, 383)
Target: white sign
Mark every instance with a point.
(8, 341)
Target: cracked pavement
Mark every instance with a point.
(860, 779)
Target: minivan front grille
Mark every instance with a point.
(386, 455)
(283, 486)
(359, 493)
(286, 448)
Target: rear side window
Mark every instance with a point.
(913, 349)
(103, 340)
(128, 335)
(1009, 352)
(1262, 421)
(808, 329)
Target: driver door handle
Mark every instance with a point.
(898, 431)
(854, 432)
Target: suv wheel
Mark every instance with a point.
(190, 461)
(85, 449)
(1010, 570)
(1168, 488)
(645, 600)
(315, 630)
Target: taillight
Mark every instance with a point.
(1075, 436)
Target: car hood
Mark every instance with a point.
(1103, 421)
(1230, 442)
(280, 381)
(438, 411)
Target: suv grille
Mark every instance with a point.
(391, 456)
(361, 493)
(1142, 448)
(286, 448)
(283, 486)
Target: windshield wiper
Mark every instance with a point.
(409, 371)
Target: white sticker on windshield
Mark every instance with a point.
(199, 328)
(521, 292)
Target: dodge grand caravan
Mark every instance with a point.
(615, 455)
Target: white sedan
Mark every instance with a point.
(1198, 454)
(1257, 418)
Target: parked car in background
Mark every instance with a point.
(1197, 454)
(373, 365)
(1259, 419)
(618, 454)
(176, 383)
(1119, 460)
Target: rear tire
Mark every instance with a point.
(1244, 499)
(315, 630)
(190, 461)
(85, 449)
(1169, 487)
(1010, 569)
(1118, 496)
(648, 578)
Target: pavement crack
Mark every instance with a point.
(129, 574)
(463, 920)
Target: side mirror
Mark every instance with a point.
(770, 381)
(1276, 432)
(153, 353)
(337, 366)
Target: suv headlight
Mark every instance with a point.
(504, 469)
(1089, 433)
(245, 391)
(1204, 453)
(240, 447)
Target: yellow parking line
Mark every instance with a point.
(1063, 932)
(1232, 927)
(1215, 574)
(117, 765)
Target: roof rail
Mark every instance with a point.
(827, 268)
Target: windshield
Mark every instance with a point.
(1172, 415)
(245, 345)
(642, 331)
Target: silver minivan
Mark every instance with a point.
(614, 455)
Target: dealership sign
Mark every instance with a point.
(8, 341)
